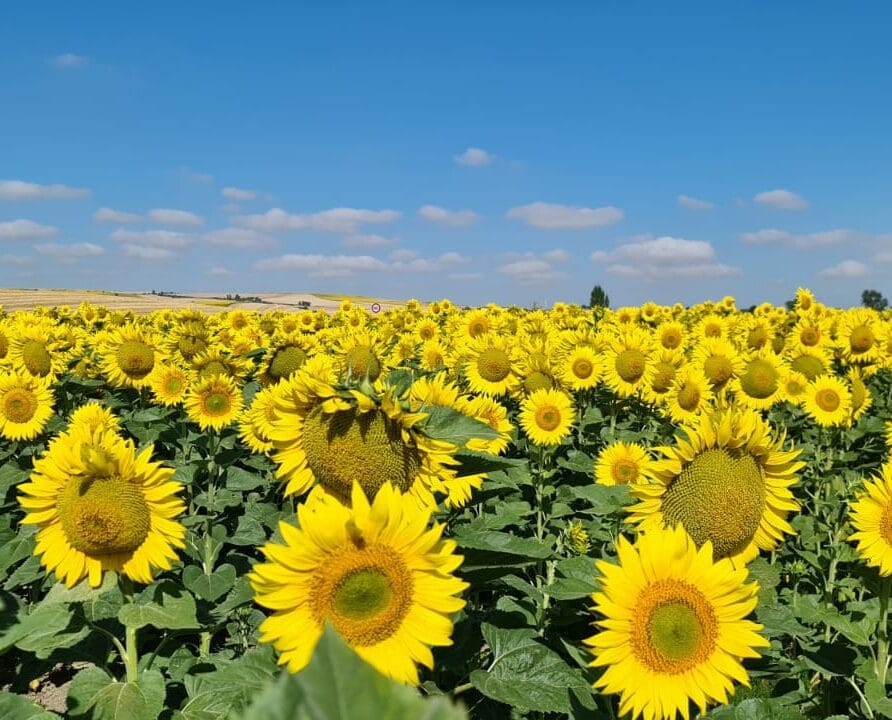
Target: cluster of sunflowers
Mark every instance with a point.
(381, 425)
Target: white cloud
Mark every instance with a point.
(68, 253)
(166, 216)
(344, 265)
(367, 241)
(337, 220)
(781, 199)
(465, 276)
(557, 255)
(107, 215)
(237, 238)
(663, 257)
(148, 252)
(220, 271)
(404, 254)
(883, 257)
(549, 216)
(694, 203)
(437, 264)
(455, 218)
(15, 260)
(771, 236)
(474, 157)
(237, 194)
(154, 238)
(25, 230)
(70, 60)
(20, 190)
(845, 269)
(196, 178)
(529, 268)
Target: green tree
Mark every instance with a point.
(874, 299)
(598, 298)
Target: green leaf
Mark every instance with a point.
(576, 579)
(339, 685)
(756, 709)
(168, 607)
(248, 532)
(527, 675)
(478, 463)
(240, 479)
(20, 547)
(95, 695)
(222, 693)
(877, 697)
(209, 587)
(16, 707)
(42, 622)
(501, 542)
(99, 603)
(444, 423)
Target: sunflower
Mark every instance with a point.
(26, 404)
(871, 516)
(433, 355)
(627, 365)
(169, 384)
(94, 418)
(689, 396)
(336, 435)
(580, 369)
(547, 416)
(827, 401)
(718, 360)
(665, 368)
(285, 355)
(673, 627)
(861, 397)
(758, 386)
(811, 362)
(726, 481)
(671, 335)
(101, 507)
(623, 463)
(214, 402)
(793, 385)
(374, 571)
(128, 356)
(858, 335)
(490, 365)
(34, 349)
(216, 360)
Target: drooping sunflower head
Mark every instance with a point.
(26, 404)
(726, 480)
(623, 463)
(214, 402)
(101, 507)
(334, 435)
(373, 570)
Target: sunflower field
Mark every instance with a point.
(444, 513)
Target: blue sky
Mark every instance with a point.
(508, 152)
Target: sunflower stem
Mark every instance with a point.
(131, 652)
(883, 631)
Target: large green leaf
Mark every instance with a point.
(16, 707)
(444, 423)
(167, 607)
(503, 542)
(527, 675)
(44, 622)
(339, 685)
(95, 695)
(223, 693)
